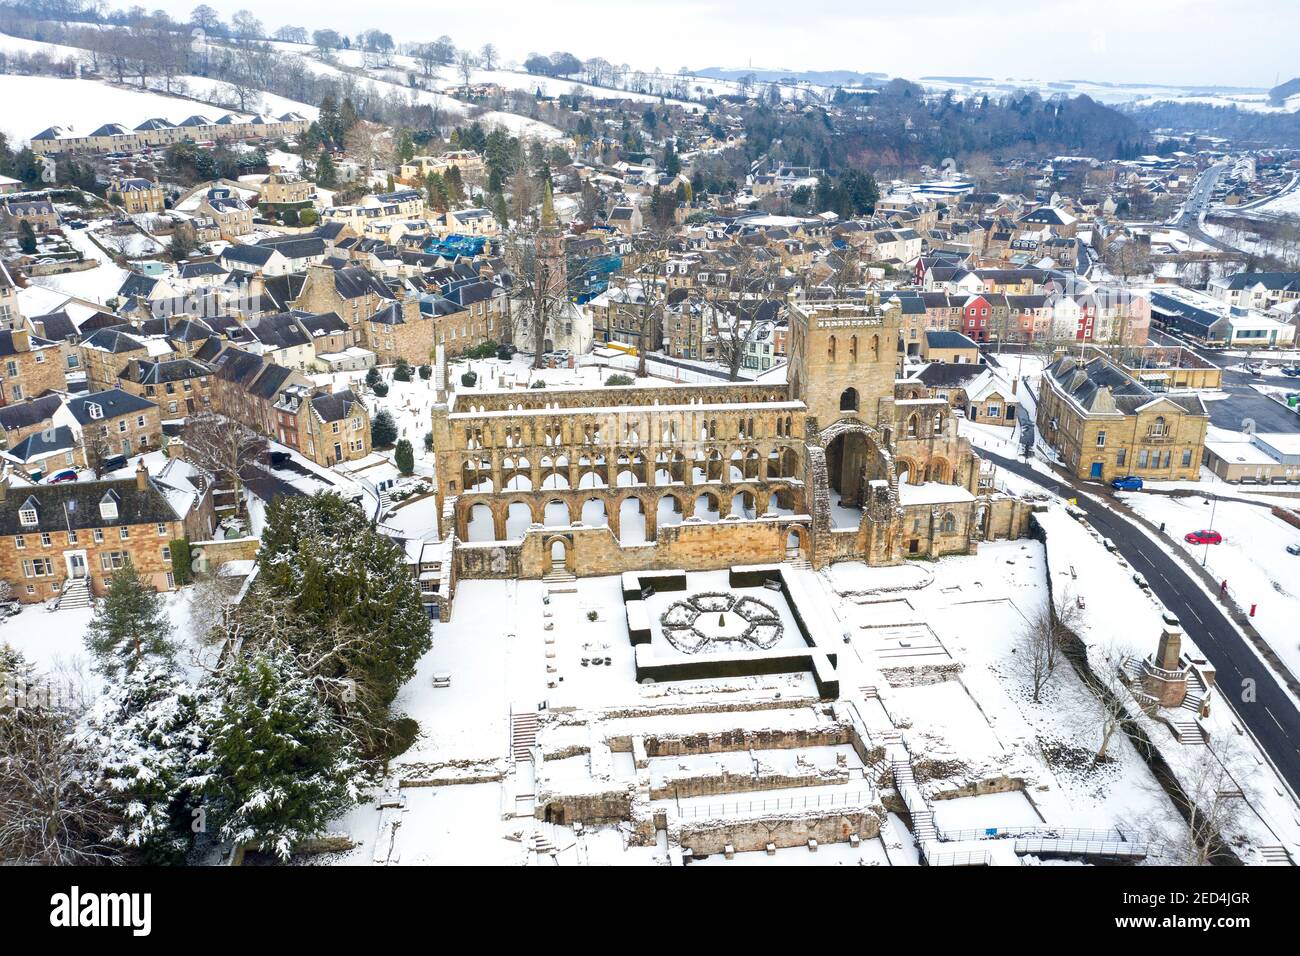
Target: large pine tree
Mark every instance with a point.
(340, 594)
(129, 625)
(277, 767)
(143, 736)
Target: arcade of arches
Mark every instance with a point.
(696, 477)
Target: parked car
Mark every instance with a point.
(112, 464)
(59, 477)
(1203, 537)
(1293, 548)
(1127, 483)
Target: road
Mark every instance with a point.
(1198, 200)
(1243, 402)
(1272, 717)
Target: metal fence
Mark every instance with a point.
(858, 798)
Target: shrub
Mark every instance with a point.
(592, 615)
(484, 350)
(618, 379)
(402, 373)
(308, 217)
(405, 457)
(380, 389)
(290, 217)
(383, 429)
(538, 384)
(372, 377)
(468, 379)
(426, 372)
(428, 441)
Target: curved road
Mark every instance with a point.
(1271, 717)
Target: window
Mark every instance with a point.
(112, 560)
(1121, 456)
(1101, 439)
(1142, 458)
(949, 523)
(20, 542)
(99, 535)
(1187, 458)
(38, 568)
(45, 539)
(166, 553)
(72, 537)
(162, 530)
(124, 532)
(28, 517)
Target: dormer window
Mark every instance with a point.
(108, 507)
(94, 410)
(28, 517)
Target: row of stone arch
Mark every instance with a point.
(913, 471)
(629, 470)
(507, 517)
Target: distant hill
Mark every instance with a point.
(1278, 95)
(819, 77)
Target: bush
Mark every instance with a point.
(487, 349)
(618, 379)
(592, 615)
(308, 217)
(402, 373)
(426, 372)
(383, 429)
(428, 441)
(290, 217)
(538, 384)
(405, 457)
(468, 379)
(181, 559)
(401, 734)
(372, 377)
(380, 389)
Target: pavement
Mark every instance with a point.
(1271, 715)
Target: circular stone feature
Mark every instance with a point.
(711, 621)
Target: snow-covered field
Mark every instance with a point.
(33, 103)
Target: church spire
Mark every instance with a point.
(548, 207)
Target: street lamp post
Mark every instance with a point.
(1214, 507)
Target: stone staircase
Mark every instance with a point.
(1196, 693)
(1275, 856)
(802, 563)
(1187, 731)
(558, 576)
(523, 735)
(76, 593)
(1131, 668)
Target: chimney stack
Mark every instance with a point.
(141, 476)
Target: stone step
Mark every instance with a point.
(1275, 856)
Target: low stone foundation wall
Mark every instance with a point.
(712, 836)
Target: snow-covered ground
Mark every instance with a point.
(33, 103)
(1252, 559)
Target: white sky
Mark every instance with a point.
(1241, 43)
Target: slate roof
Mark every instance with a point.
(75, 505)
(112, 403)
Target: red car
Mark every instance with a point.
(1203, 537)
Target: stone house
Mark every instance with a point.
(137, 195)
(1105, 424)
(30, 366)
(53, 534)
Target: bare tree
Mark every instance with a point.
(224, 448)
(1038, 650)
(1212, 801)
(749, 295)
(51, 813)
(466, 64)
(489, 57)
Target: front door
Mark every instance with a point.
(1096, 469)
(338, 452)
(76, 563)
